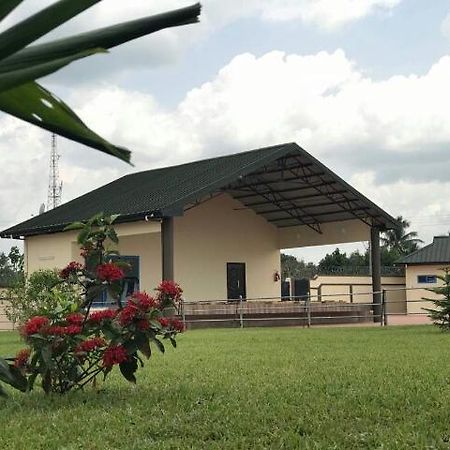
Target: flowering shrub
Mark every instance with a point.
(71, 346)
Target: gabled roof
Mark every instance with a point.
(283, 183)
(438, 252)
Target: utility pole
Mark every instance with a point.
(54, 184)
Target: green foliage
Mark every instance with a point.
(291, 267)
(11, 267)
(21, 63)
(399, 241)
(39, 294)
(441, 315)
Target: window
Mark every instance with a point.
(130, 284)
(428, 279)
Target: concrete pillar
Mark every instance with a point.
(167, 247)
(376, 272)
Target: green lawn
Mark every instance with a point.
(335, 388)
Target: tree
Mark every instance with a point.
(441, 315)
(332, 260)
(291, 267)
(21, 63)
(400, 240)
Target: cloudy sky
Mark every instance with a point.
(363, 85)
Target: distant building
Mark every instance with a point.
(421, 268)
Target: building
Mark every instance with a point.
(216, 226)
(421, 268)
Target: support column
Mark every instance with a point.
(376, 272)
(167, 248)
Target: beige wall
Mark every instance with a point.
(141, 238)
(332, 233)
(415, 296)
(220, 231)
(338, 289)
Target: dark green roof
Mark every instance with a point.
(438, 252)
(166, 191)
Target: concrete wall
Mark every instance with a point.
(220, 231)
(412, 271)
(337, 288)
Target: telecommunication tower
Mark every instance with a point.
(54, 184)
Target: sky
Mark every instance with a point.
(363, 85)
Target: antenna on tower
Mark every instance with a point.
(54, 185)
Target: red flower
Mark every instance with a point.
(22, 358)
(143, 301)
(105, 314)
(164, 321)
(75, 319)
(169, 289)
(115, 354)
(58, 330)
(34, 325)
(109, 272)
(177, 325)
(143, 324)
(127, 314)
(71, 268)
(90, 345)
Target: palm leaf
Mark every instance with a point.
(6, 6)
(34, 104)
(106, 38)
(38, 25)
(15, 78)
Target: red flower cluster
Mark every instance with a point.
(115, 354)
(70, 330)
(34, 325)
(22, 358)
(75, 319)
(72, 267)
(173, 324)
(105, 314)
(127, 314)
(109, 272)
(168, 288)
(143, 301)
(90, 345)
(143, 324)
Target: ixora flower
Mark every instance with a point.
(35, 325)
(109, 272)
(72, 268)
(170, 289)
(90, 345)
(143, 301)
(57, 330)
(75, 319)
(115, 354)
(22, 358)
(98, 317)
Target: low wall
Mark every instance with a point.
(262, 313)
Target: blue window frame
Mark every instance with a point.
(426, 279)
(130, 284)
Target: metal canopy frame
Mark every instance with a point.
(297, 190)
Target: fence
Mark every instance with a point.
(392, 308)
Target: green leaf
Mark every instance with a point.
(113, 235)
(74, 226)
(83, 234)
(39, 24)
(3, 392)
(173, 342)
(128, 369)
(6, 6)
(12, 376)
(144, 348)
(113, 218)
(159, 344)
(102, 38)
(34, 104)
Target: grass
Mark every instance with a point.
(289, 388)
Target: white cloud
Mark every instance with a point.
(445, 26)
(391, 135)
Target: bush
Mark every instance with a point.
(68, 346)
(39, 294)
(441, 315)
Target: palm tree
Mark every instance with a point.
(399, 240)
(21, 63)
